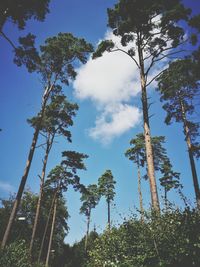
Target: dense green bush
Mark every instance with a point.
(15, 255)
(171, 239)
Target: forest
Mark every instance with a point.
(122, 193)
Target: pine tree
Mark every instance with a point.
(152, 32)
(106, 185)
(90, 198)
(179, 86)
(56, 120)
(136, 153)
(59, 179)
(55, 64)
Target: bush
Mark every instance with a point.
(15, 255)
(171, 239)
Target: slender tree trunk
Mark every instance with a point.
(108, 202)
(26, 171)
(165, 196)
(147, 135)
(48, 148)
(191, 157)
(20, 190)
(140, 193)
(51, 234)
(88, 229)
(46, 227)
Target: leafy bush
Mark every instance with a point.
(171, 239)
(15, 255)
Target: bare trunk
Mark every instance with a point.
(88, 229)
(46, 227)
(165, 197)
(51, 234)
(191, 157)
(108, 202)
(20, 190)
(147, 136)
(48, 148)
(140, 193)
(26, 171)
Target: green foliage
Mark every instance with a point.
(169, 179)
(136, 153)
(56, 59)
(22, 229)
(89, 198)
(135, 20)
(59, 55)
(76, 255)
(64, 174)
(171, 239)
(107, 185)
(15, 255)
(57, 117)
(106, 45)
(179, 94)
(27, 51)
(74, 160)
(19, 11)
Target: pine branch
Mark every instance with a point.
(155, 77)
(121, 50)
(8, 39)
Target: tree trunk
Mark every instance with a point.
(20, 190)
(48, 148)
(26, 171)
(191, 157)
(108, 202)
(46, 227)
(51, 234)
(88, 230)
(140, 193)
(165, 197)
(147, 135)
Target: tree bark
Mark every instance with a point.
(26, 171)
(20, 190)
(191, 157)
(140, 193)
(165, 197)
(51, 234)
(46, 227)
(147, 134)
(48, 148)
(88, 230)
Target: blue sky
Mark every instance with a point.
(101, 128)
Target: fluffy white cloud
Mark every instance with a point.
(110, 78)
(6, 187)
(110, 81)
(114, 122)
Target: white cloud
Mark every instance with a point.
(6, 187)
(110, 82)
(115, 121)
(110, 78)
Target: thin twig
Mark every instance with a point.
(121, 50)
(8, 39)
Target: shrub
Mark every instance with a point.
(170, 239)
(15, 255)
